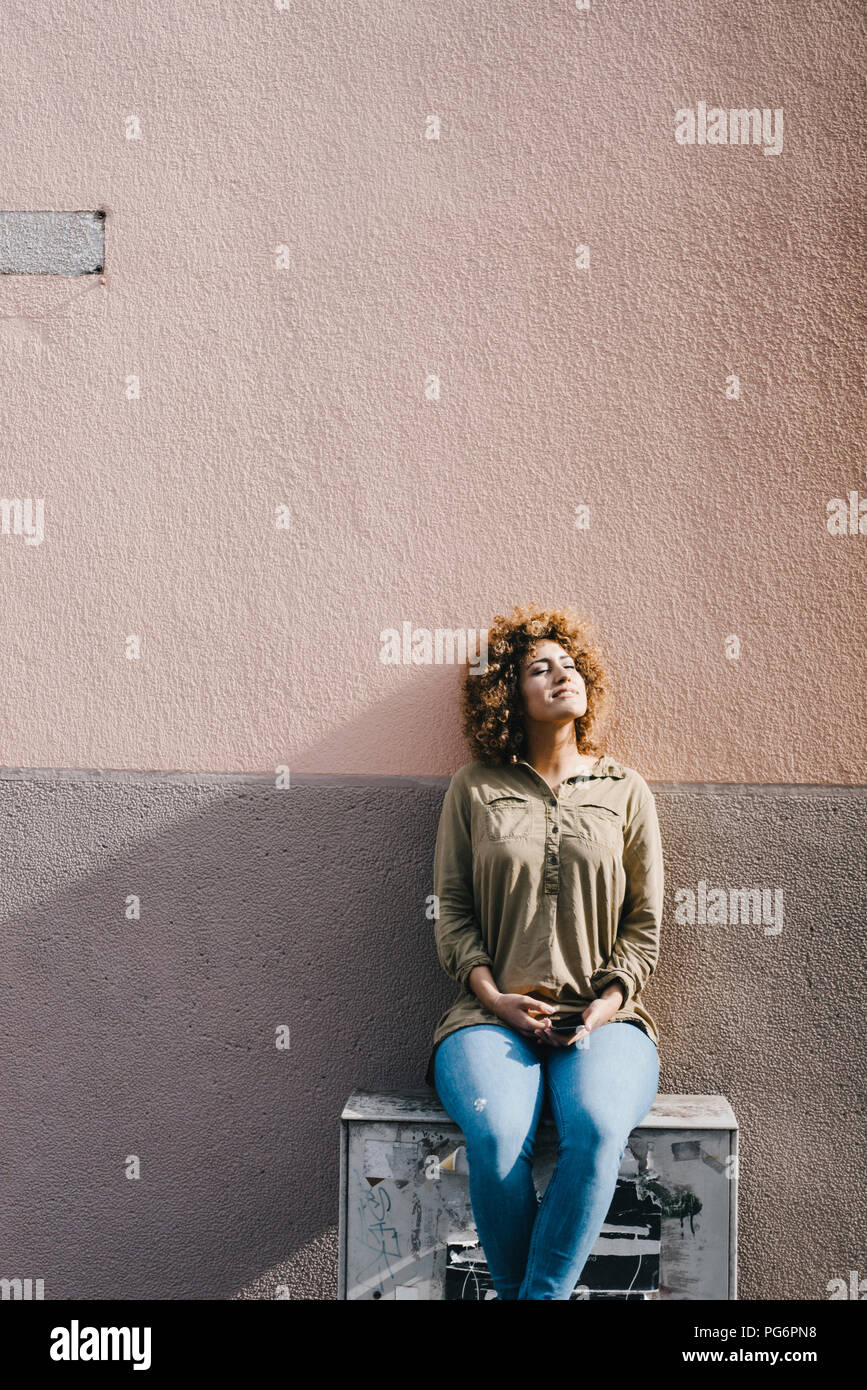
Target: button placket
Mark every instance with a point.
(552, 846)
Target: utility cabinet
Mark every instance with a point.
(406, 1227)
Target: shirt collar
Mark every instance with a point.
(604, 766)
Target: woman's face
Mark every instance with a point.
(551, 685)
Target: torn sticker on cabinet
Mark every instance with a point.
(389, 1160)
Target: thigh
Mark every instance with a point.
(490, 1082)
(606, 1087)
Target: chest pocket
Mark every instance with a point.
(597, 824)
(508, 817)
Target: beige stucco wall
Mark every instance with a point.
(304, 384)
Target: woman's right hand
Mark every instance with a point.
(514, 1010)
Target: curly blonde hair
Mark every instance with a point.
(491, 701)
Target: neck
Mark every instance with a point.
(553, 750)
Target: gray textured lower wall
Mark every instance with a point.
(305, 907)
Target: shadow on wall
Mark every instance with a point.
(261, 910)
(153, 1040)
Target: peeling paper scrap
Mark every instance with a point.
(456, 1162)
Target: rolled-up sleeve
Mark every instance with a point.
(636, 949)
(459, 942)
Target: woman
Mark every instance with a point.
(549, 879)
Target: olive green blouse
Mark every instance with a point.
(558, 895)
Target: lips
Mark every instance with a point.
(570, 691)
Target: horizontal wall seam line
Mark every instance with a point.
(335, 779)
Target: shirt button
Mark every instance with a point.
(554, 829)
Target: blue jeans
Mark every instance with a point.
(491, 1081)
